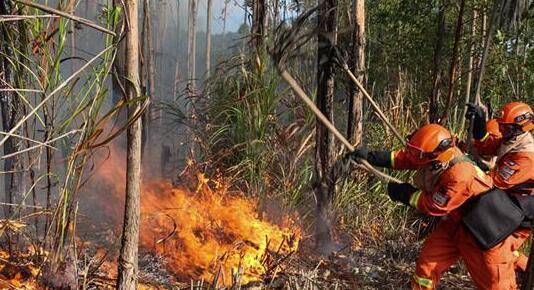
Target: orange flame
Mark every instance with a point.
(204, 233)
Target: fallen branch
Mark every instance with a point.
(301, 94)
(66, 15)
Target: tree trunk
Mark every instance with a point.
(9, 106)
(495, 19)
(192, 35)
(208, 39)
(436, 68)
(324, 147)
(150, 76)
(355, 118)
(259, 18)
(454, 62)
(127, 268)
(470, 68)
(178, 46)
(223, 41)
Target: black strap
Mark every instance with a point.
(522, 188)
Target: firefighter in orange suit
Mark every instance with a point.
(445, 180)
(514, 151)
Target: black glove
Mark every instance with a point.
(376, 158)
(401, 192)
(479, 125)
(360, 152)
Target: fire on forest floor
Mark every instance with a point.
(209, 236)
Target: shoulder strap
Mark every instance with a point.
(460, 159)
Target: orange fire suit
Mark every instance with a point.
(442, 194)
(513, 167)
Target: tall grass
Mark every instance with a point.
(70, 113)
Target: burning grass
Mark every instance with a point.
(211, 234)
(204, 232)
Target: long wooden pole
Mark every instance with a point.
(301, 94)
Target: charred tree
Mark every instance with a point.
(433, 113)
(357, 64)
(127, 266)
(324, 146)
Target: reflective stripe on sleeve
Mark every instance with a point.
(517, 254)
(424, 282)
(414, 198)
(485, 137)
(392, 157)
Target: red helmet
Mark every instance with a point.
(517, 113)
(431, 142)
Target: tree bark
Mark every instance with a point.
(178, 46)
(9, 106)
(128, 268)
(355, 118)
(192, 35)
(454, 62)
(495, 19)
(208, 39)
(470, 68)
(259, 18)
(324, 146)
(436, 68)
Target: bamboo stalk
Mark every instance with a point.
(300, 92)
(66, 15)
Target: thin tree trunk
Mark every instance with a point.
(495, 19)
(191, 54)
(178, 46)
(9, 106)
(151, 73)
(470, 68)
(223, 41)
(454, 62)
(324, 148)
(128, 268)
(208, 39)
(355, 118)
(436, 68)
(259, 17)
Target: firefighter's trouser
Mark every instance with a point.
(450, 241)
